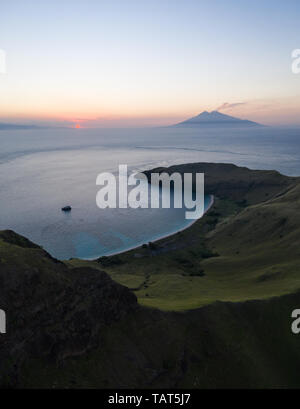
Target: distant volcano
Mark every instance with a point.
(217, 119)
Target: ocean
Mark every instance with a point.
(42, 170)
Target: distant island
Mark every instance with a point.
(5, 126)
(216, 118)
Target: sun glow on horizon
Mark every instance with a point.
(133, 70)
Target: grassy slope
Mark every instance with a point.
(221, 344)
(257, 247)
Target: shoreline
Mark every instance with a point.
(158, 239)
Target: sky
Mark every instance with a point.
(148, 62)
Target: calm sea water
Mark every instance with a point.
(43, 170)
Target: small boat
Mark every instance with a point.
(66, 209)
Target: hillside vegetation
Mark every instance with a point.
(245, 247)
(207, 307)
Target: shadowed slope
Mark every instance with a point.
(52, 311)
(70, 325)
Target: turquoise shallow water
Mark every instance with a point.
(43, 170)
(112, 241)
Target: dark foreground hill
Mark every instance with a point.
(228, 286)
(52, 312)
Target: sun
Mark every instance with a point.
(77, 126)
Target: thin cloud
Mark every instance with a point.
(226, 105)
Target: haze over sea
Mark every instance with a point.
(42, 170)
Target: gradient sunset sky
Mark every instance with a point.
(154, 62)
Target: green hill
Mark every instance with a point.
(212, 304)
(245, 247)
